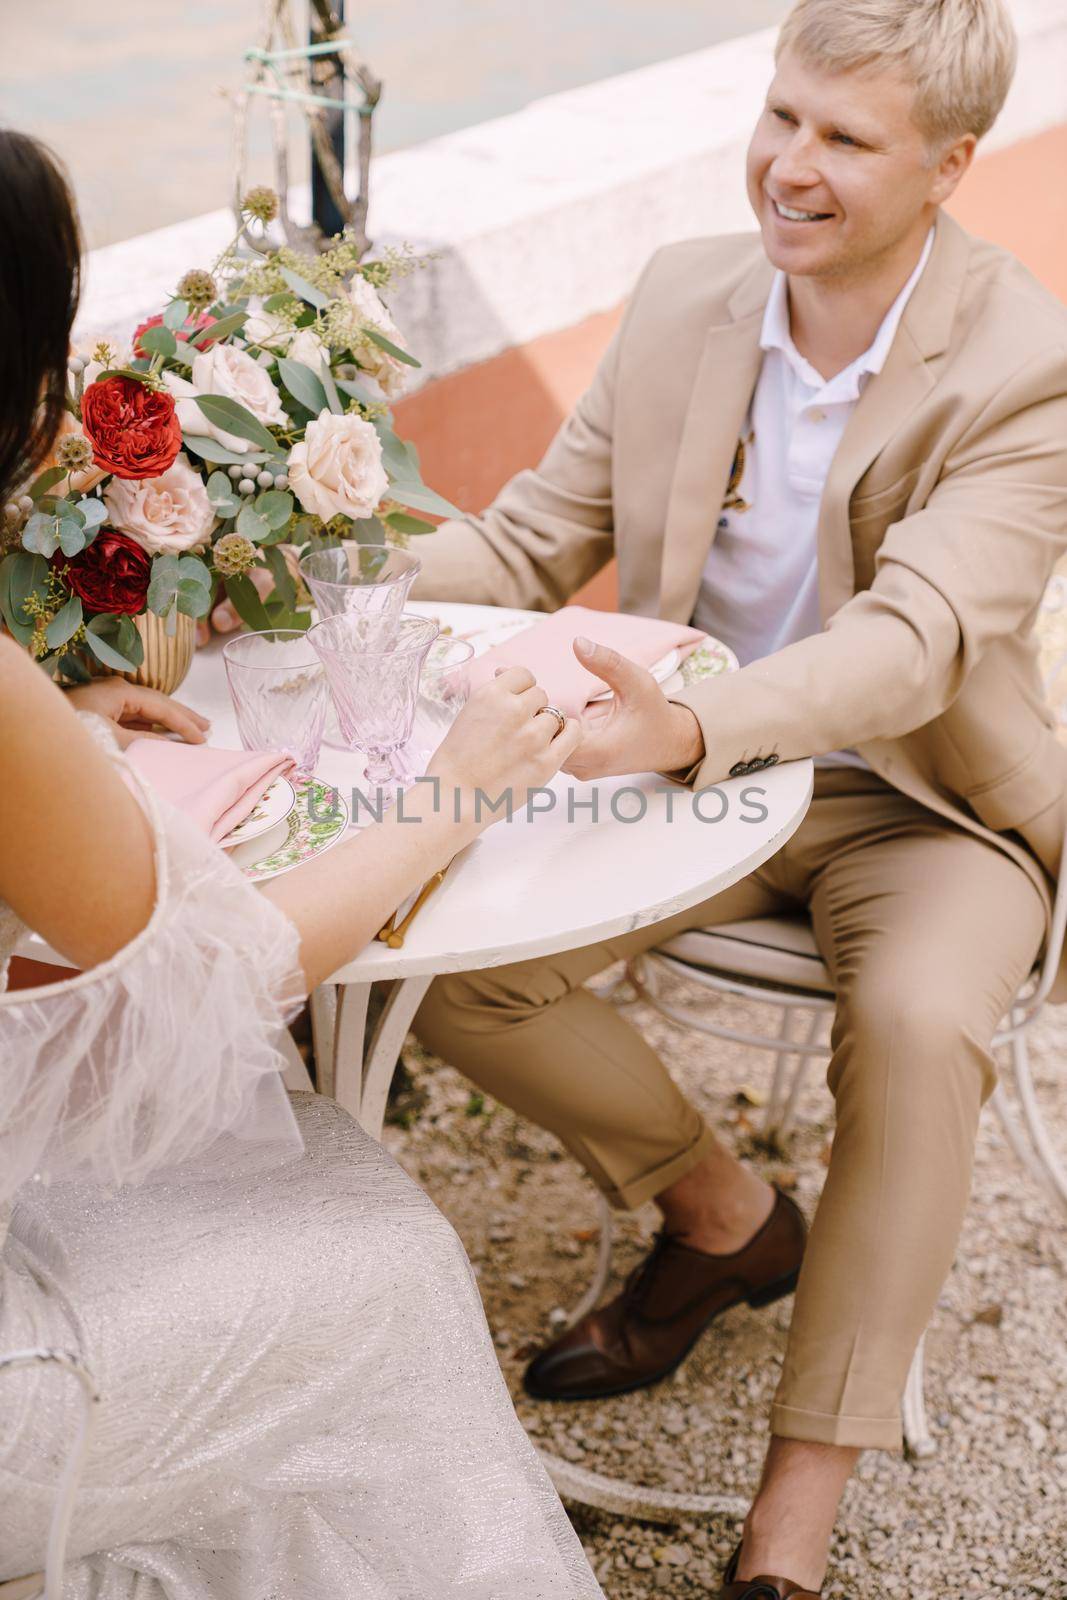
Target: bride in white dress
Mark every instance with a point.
(299, 1394)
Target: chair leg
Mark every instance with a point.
(1051, 1165)
(643, 974)
(1015, 1135)
(782, 1056)
(800, 1072)
(602, 1269)
(917, 1437)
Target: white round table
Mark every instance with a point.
(588, 862)
(591, 861)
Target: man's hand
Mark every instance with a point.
(135, 710)
(639, 730)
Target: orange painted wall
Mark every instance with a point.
(478, 428)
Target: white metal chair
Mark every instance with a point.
(48, 1585)
(775, 960)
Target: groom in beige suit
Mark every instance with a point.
(840, 444)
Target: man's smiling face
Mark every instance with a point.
(839, 175)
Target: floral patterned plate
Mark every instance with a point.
(318, 820)
(274, 807)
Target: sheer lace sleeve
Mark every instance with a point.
(146, 1060)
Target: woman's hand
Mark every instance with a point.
(500, 745)
(135, 710)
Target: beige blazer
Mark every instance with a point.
(943, 516)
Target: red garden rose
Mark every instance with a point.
(111, 574)
(134, 430)
(185, 332)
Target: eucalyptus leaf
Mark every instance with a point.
(47, 480)
(126, 639)
(64, 624)
(220, 492)
(275, 302)
(389, 347)
(29, 575)
(302, 384)
(331, 390)
(209, 449)
(193, 599)
(105, 652)
(305, 290)
(221, 328)
(159, 340)
(41, 534)
(18, 626)
(93, 512)
(395, 458)
(72, 535)
(252, 525)
(275, 507)
(246, 602)
(284, 587)
(163, 584)
(419, 498)
(233, 417)
(176, 315)
(356, 391)
(192, 570)
(368, 530)
(402, 523)
(71, 665)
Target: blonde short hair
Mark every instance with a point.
(960, 54)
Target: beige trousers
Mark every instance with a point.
(928, 932)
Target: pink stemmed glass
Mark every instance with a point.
(279, 691)
(359, 577)
(373, 665)
(444, 689)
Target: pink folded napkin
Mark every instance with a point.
(547, 649)
(216, 788)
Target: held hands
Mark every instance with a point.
(639, 730)
(135, 711)
(499, 744)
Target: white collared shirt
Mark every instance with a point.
(760, 587)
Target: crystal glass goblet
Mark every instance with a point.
(279, 691)
(359, 577)
(373, 663)
(444, 689)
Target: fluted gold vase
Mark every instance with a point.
(167, 657)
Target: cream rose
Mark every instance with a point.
(390, 374)
(265, 327)
(164, 515)
(224, 370)
(308, 348)
(337, 468)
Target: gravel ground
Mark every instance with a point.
(988, 1517)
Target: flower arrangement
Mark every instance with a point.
(251, 414)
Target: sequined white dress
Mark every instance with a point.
(300, 1397)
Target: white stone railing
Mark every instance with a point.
(539, 219)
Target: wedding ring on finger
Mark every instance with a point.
(553, 711)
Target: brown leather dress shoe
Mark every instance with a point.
(761, 1588)
(664, 1307)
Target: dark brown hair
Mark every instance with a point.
(40, 262)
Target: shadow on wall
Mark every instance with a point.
(476, 429)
